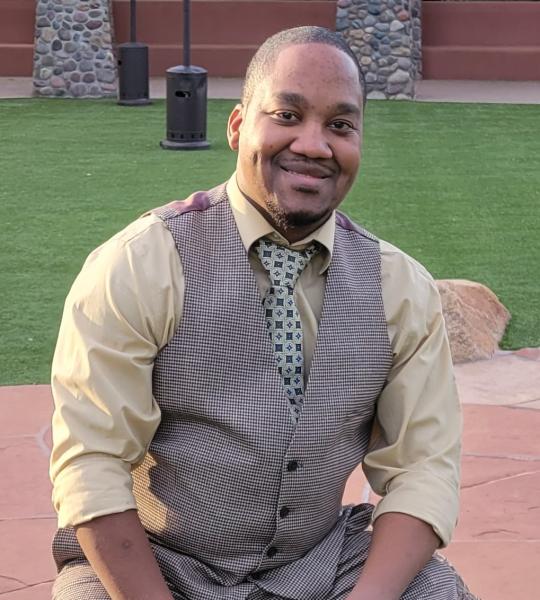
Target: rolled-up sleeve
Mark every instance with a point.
(122, 308)
(414, 459)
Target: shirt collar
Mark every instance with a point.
(253, 226)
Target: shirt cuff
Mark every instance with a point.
(91, 487)
(426, 497)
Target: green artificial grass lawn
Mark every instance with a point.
(457, 186)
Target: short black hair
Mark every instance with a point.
(267, 53)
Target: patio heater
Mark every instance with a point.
(186, 100)
(133, 67)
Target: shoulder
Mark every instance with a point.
(398, 265)
(129, 260)
(410, 297)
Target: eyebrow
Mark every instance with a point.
(299, 100)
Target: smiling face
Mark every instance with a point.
(299, 138)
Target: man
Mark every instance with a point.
(230, 357)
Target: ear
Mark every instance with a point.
(234, 125)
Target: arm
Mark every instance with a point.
(401, 546)
(123, 307)
(119, 552)
(414, 462)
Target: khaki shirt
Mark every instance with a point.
(127, 303)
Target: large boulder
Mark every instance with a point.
(475, 319)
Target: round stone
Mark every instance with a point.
(89, 78)
(344, 3)
(342, 12)
(75, 77)
(46, 91)
(47, 61)
(78, 90)
(87, 34)
(396, 25)
(48, 34)
(374, 7)
(76, 36)
(64, 35)
(404, 63)
(86, 65)
(365, 60)
(43, 22)
(376, 95)
(95, 90)
(58, 70)
(342, 24)
(403, 15)
(80, 17)
(94, 25)
(95, 14)
(101, 54)
(385, 50)
(402, 97)
(42, 47)
(370, 21)
(356, 34)
(399, 76)
(382, 26)
(78, 27)
(57, 82)
(56, 45)
(70, 65)
(371, 78)
(45, 73)
(105, 75)
(71, 46)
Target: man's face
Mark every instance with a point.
(299, 138)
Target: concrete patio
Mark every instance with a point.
(497, 543)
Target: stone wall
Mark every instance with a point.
(386, 35)
(73, 49)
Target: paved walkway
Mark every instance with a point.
(509, 92)
(497, 543)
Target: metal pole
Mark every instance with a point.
(187, 39)
(133, 21)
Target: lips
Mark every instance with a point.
(313, 171)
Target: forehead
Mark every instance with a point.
(318, 70)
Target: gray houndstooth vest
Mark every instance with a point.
(231, 493)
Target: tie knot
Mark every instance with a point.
(283, 264)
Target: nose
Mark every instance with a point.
(310, 140)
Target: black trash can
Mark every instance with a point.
(186, 108)
(133, 74)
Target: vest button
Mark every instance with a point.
(292, 465)
(285, 510)
(271, 552)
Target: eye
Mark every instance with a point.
(342, 126)
(286, 115)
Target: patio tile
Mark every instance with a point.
(498, 570)
(25, 553)
(25, 409)
(26, 489)
(504, 380)
(35, 592)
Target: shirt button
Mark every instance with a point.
(271, 552)
(285, 510)
(292, 465)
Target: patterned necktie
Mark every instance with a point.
(283, 323)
